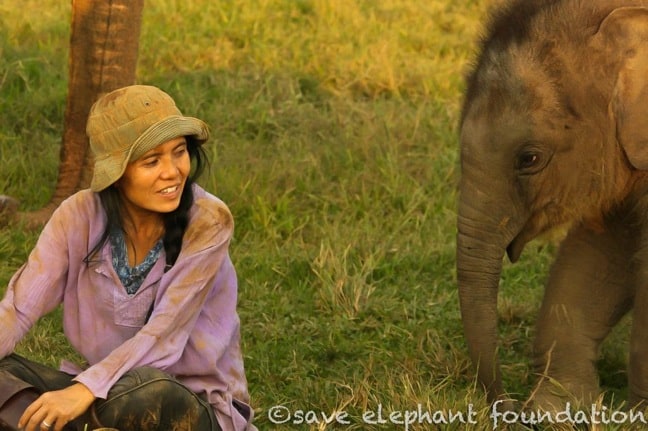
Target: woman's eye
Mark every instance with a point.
(180, 150)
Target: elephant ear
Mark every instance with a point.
(624, 35)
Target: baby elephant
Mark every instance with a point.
(554, 132)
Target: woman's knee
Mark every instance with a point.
(142, 376)
(11, 363)
(147, 380)
(153, 397)
(43, 377)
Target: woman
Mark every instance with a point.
(140, 265)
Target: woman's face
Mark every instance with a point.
(154, 182)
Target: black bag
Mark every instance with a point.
(15, 396)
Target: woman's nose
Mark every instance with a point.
(169, 168)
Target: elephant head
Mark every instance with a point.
(554, 131)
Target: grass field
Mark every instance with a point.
(335, 146)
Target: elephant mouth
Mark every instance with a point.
(528, 233)
(515, 248)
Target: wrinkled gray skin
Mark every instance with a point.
(8, 205)
(104, 46)
(554, 131)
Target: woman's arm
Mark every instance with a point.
(37, 287)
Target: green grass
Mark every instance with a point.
(335, 146)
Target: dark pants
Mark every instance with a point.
(144, 399)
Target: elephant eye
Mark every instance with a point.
(529, 162)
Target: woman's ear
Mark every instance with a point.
(623, 35)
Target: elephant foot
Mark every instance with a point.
(637, 399)
(35, 220)
(8, 209)
(550, 396)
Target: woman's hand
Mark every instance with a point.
(52, 410)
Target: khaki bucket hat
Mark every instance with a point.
(126, 123)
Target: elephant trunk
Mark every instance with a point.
(481, 243)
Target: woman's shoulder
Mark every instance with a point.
(206, 205)
(77, 216)
(81, 205)
(210, 220)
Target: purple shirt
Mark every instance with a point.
(193, 332)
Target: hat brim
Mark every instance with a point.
(109, 169)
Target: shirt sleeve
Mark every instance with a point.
(37, 287)
(182, 293)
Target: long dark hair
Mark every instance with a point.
(175, 222)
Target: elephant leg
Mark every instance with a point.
(638, 361)
(590, 288)
(104, 47)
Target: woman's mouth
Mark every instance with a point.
(169, 190)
